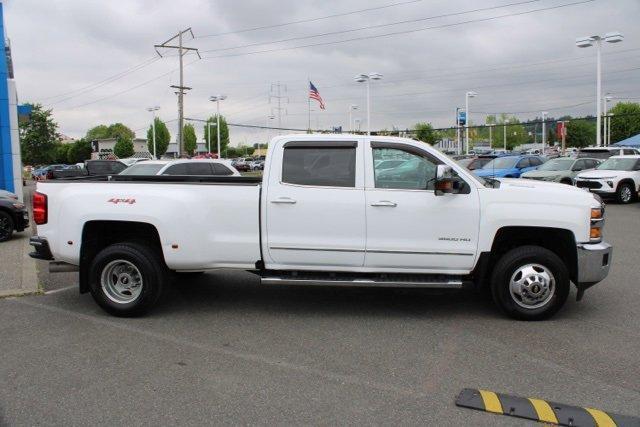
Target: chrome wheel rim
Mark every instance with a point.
(625, 194)
(121, 281)
(532, 286)
(5, 227)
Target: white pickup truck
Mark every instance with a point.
(326, 214)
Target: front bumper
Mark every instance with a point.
(22, 218)
(598, 186)
(594, 261)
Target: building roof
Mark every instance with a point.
(634, 141)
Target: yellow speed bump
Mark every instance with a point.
(541, 410)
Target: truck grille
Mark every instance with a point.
(588, 184)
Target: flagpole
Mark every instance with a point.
(309, 102)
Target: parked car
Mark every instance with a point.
(561, 169)
(133, 160)
(618, 176)
(13, 217)
(188, 167)
(509, 166)
(257, 165)
(474, 163)
(4, 194)
(46, 172)
(91, 168)
(604, 153)
(241, 164)
(435, 226)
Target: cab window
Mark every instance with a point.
(413, 172)
(319, 166)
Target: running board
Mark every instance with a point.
(392, 281)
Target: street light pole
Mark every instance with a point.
(607, 119)
(491, 135)
(504, 135)
(544, 130)
(153, 128)
(366, 78)
(466, 121)
(217, 99)
(612, 37)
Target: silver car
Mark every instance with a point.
(562, 169)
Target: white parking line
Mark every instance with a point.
(55, 291)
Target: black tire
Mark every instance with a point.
(150, 266)
(6, 226)
(625, 193)
(508, 265)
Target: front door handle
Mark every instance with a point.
(386, 203)
(284, 200)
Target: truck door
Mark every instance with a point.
(314, 204)
(408, 226)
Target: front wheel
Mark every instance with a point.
(530, 283)
(126, 279)
(625, 193)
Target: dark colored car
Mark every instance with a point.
(92, 168)
(13, 217)
(474, 163)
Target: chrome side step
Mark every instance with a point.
(364, 282)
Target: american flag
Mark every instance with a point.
(314, 94)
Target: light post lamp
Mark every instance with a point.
(544, 130)
(366, 78)
(352, 108)
(217, 99)
(153, 110)
(613, 37)
(468, 95)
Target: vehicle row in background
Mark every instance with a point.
(13, 215)
(190, 167)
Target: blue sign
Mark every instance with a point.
(462, 117)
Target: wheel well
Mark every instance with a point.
(569, 180)
(97, 235)
(627, 181)
(559, 241)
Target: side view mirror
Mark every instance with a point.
(444, 180)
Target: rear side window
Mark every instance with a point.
(219, 169)
(327, 167)
(535, 161)
(199, 169)
(628, 151)
(524, 163)
(179, 169)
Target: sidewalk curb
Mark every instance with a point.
(29, 282)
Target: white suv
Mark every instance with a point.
(618, 176)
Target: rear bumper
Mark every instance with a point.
(594, 261)
(22, 220)
(41, 246)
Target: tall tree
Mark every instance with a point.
(425, 133)
(118, 130)
(97, 132)
(190, 139)
(79, 151)
(61, 152)
(163, 137)
(581, 133)
(38, 136)
(625, 122)
(224, 133)
(123, 147)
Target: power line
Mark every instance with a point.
(93, 86)
(369, 27)
(302, 21)
(395, 33)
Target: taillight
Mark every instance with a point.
(40, 208)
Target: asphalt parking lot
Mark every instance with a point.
(225, 350)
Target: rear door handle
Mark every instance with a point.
(386, 203)
(284, 200)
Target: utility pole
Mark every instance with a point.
(276, 93)
(181, 88)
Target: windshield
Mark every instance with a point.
(557, 165)
(618, 164)
(142, 169)
(465, 162)
(501, 163)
